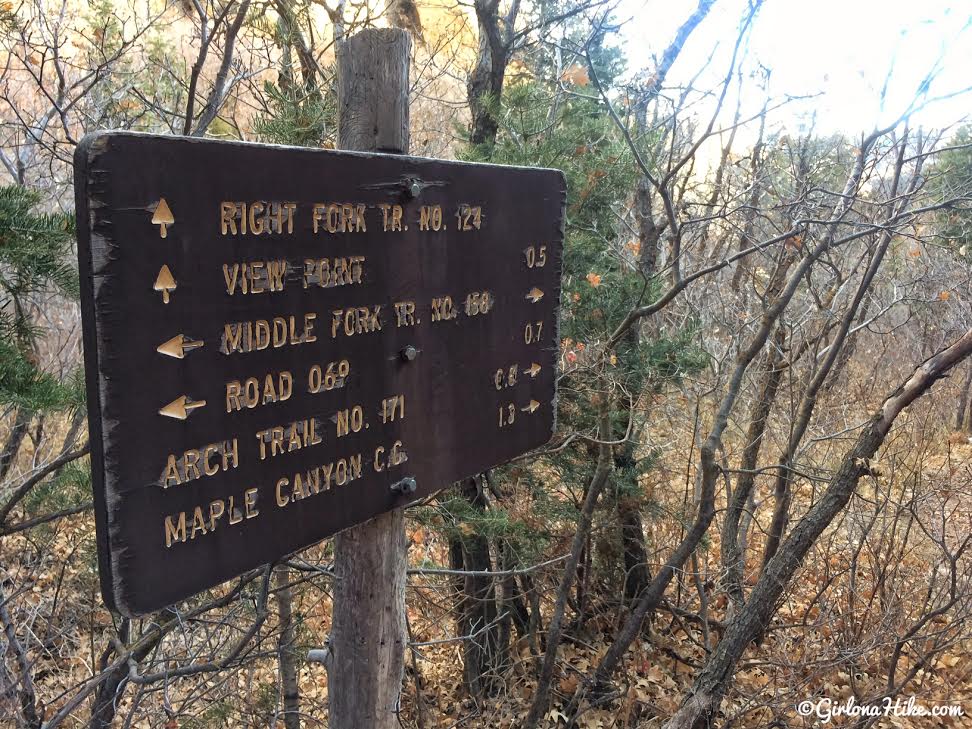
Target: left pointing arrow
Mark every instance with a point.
(531, 407)
(181, 408)
(178, 346)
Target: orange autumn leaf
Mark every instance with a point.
(794, 242)
(576, 297)
(594, 279)
(571, 357)
(576, 75)
(581, 346)
(915, 252)
(634, 246)
(944, 296)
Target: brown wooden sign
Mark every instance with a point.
(281, 343)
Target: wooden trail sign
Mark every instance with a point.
(281, 343)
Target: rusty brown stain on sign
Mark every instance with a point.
(281, 343)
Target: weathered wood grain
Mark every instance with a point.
(366, 658)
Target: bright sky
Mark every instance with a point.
(842, 48)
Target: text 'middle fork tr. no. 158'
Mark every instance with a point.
(281, 343)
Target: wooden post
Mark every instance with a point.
(366, 653)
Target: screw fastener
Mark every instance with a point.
(409, 353)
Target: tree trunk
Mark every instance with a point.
(14, 439)
(513, 598)
(963, 403)
(541, 698)
(733, 557)
(366, 650)
(477, 614)
(484, 88)
(109, 691)
(628, 511)
(286, 653)
(703, 700)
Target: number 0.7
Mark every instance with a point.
(531, 333)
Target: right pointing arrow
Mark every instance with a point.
(535, 295)
(531, 407)
(178, 346)
(533, 371)
(181, 408)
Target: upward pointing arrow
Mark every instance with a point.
(535, 295)
(178, 346)
(165, 283)
(181, 408)
(162, 217)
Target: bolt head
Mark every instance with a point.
(415, 189)
(409, 353)
(407, 485)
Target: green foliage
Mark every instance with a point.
(23, 385)
(141, 86)
(33, 247)
(456, 519)
(952, 178)
(300, 108)
(304, 119)
(543, 127)
(34, 252)
(71, 487)
(217, 713)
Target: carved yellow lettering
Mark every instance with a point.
(198, 522)
(256, 223)
(210, 468)
(232, 336)
(216, 511)
(233, 396)
(227, 217)
(250, 503)
(171, 475)
(231, 454)
(231, 279)
(261, 335)
(276, 271)
(257, 277)
(175, 531)
(307, 336)
(191, 459)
